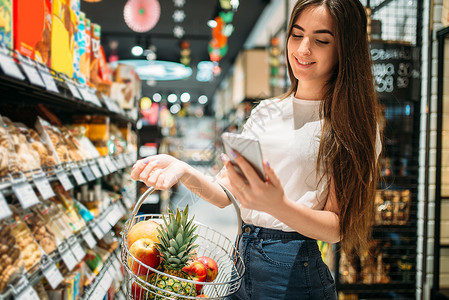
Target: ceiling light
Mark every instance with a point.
(145, 103)
(172, 98)
(212, 23)
(205, 71)
(142, 15)
(156, 69)
(137, 51)
(174, 109)
(179, 3)
(157, 97)
(202, 99)
(185, 97)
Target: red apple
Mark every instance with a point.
(197, 270)
(211, 266)
(138, 292)
(145, 251)
(143, 229)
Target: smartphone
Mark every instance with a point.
(248, 147)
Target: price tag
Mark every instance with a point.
(73, 90)
(24, 192)
(103, 167)
(5, 211)
(117, 265)
(94, 98)
(110, 164)
(64, 179)
(76, 249)
(95, 169)
(9, 66)
(89, 238)
(30, 71)
(88, 172)
(105, 226)
(98, 293)
(43, 186)
(49, 82)
(67, 256)
(23, 290)
(106, 281)
(79, 178)
(84, 93)
(51, 272)
(97, 231)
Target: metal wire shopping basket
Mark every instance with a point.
(210, 243)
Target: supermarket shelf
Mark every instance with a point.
(376, 287)
(104, 166)
(17, 91)
(96, 227)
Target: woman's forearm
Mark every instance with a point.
(204, 186)
(321, 225)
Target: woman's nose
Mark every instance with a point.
(304, 47)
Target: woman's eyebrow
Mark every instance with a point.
(316, 31)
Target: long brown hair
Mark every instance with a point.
(350, 113)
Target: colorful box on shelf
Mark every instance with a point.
(32, 29)
(6, 23)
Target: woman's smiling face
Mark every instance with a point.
(312, 50)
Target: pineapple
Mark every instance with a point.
(176, 245)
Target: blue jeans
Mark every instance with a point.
(282, 265)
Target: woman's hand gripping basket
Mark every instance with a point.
(174, 257)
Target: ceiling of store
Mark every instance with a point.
(109, 14)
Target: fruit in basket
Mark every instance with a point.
(202, 296)
(197, 270)
(143, 229)
(145, 251)
(176, 243)
(138, 292)
(211, 266)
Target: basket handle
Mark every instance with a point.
(150, 190)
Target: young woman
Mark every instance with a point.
(320, 141)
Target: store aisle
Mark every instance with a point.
(224, 220)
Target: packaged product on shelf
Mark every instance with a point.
(76, 153)
(86, 146)
(40, 291)
(21, 157)
(28, 157)
(62, 37)
(95, 53)
(5, 150)
(55, 219)
(99, 133)
(126, 87)
(75, 5)
(117, 143)
(402, 207)
(12, 263)
(6, 23)
(69, 207)
(53, 137)
(42, 233)
(83, 45)
(32, 29)
(93, 260)
(46, 154)
(31, 254)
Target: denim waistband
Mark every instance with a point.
(267, 233)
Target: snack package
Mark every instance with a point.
(54, 218)
(99, 133)
(11, 264)
(47, 157)
(53, 137)
(21, 157)
(86, 146)
(76, 153)
(32, 29)
(68, 207)
(6, 23)
(75, 6)
(42, 233)
(31, 254)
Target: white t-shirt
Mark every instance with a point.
(289, 133)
